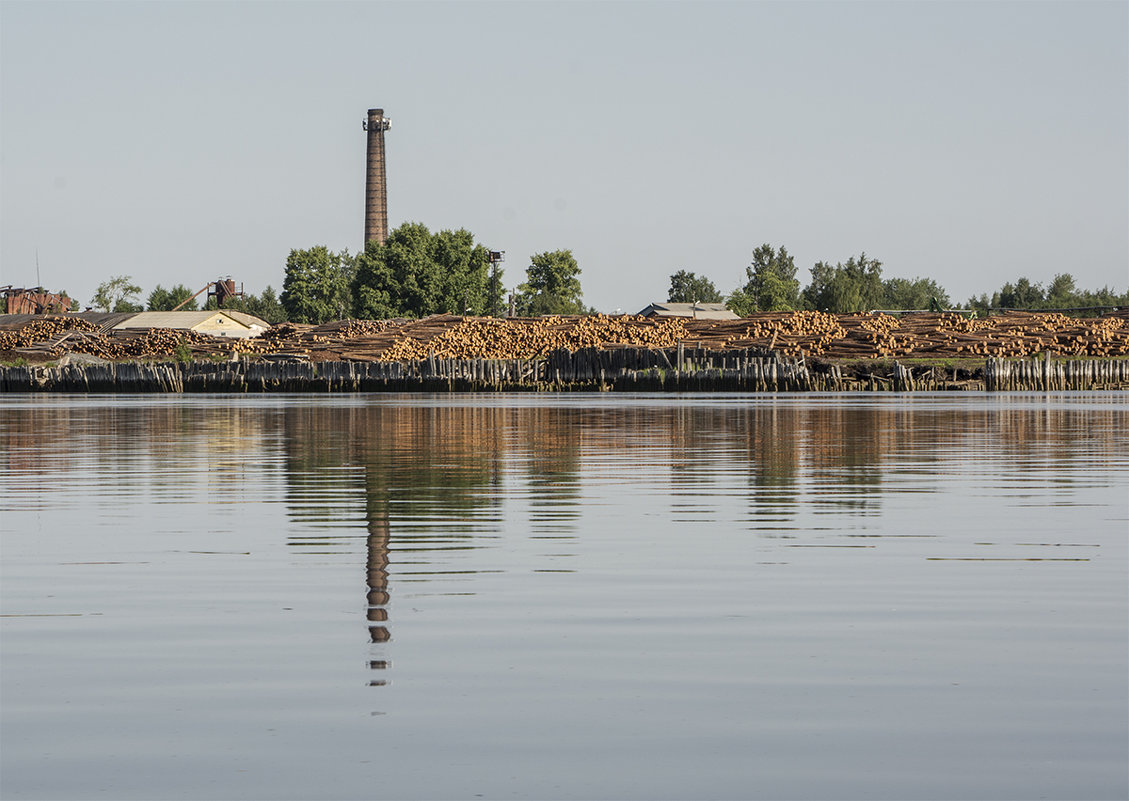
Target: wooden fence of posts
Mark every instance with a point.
(677, 369)
(1001, 375)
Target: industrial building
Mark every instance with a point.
(695, 311)
(15, 300)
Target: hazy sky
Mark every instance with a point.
(177, 142)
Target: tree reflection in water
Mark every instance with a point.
(430, 476)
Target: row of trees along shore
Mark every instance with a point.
(858, 285)
(418, 272)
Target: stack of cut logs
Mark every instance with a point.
(794, 334)
(525, 338)
(44, 329)
(925, 335)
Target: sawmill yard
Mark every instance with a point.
(919, 337)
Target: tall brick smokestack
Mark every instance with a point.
(376, 188)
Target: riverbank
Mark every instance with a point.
(676, 369)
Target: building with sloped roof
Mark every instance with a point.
(699, 311)
(222, 323)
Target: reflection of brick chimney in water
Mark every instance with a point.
(376, 189)
(376, 576)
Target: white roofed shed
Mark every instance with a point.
(213, 323)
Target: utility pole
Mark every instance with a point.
(495, 257)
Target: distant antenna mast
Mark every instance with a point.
(38, 280)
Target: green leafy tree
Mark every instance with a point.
(267, 307)
(1062, 293)
(117, 295)
(980, 305)
(417, 272)
(1103, 297)
(771, 282)
(466, 287)
(552, 286)
(161, 299)
(373, 287)
(688, 287)
(316, 286)
(741, 302)
(1021, 295)
(846, 288)
(920, 293)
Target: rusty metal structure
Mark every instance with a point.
(376, 186)
(222, 290)
(33, 301)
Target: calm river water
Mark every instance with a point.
(284, 597)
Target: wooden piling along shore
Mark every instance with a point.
(677, 369)
(1001, 375)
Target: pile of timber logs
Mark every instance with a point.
(925, 335)
(525, 338)
(45, 329)
(792, 334)
(131, 344)
(142, 343)
(352, 340)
